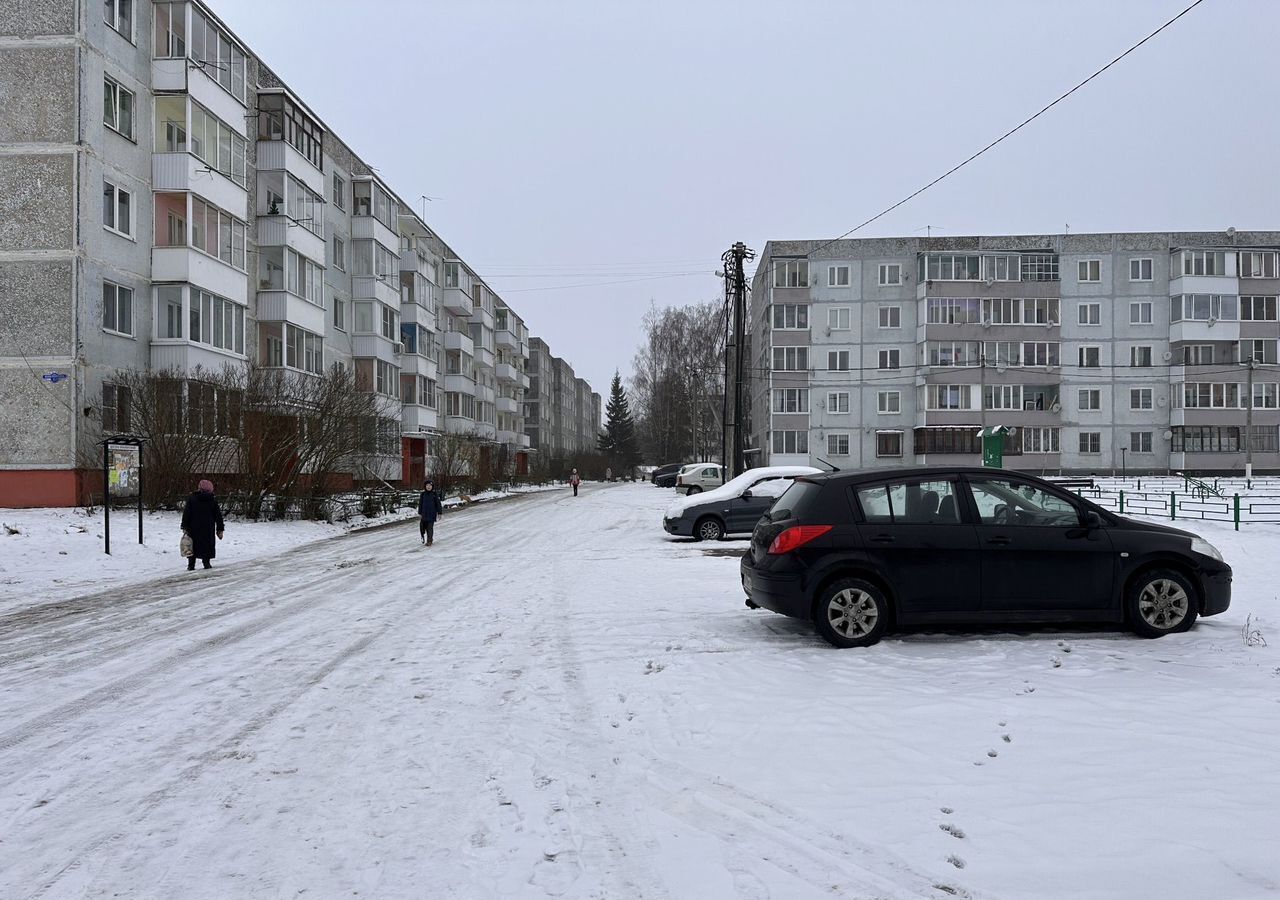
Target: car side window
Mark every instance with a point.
(1005, 502)
(710, 473)
(910, 503)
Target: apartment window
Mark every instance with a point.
(216, 321)
(1090, 313)
(1140, 357)
(890, 316)
(1265, 395)
(340, 313)
(214, 142)
(953, 353)
(1140, 313)
(1260, 351)
(339, 254)
(888, 444)
(1259, 264)
(339, 192)
(280, 119)
(1090, 442)
(117, 309)
(791, 359)
(790, 400)
(838, 276)
(1206, 439)
(1090, 357)
(169, 315)
(838, 319)
(837, 445)
(948, 440)
(838, 360)
(1140, 398)
(948, 396)
(1001, 311)
(117, 107)
(1203, 307)
(371, 258)
(1140, 442)
(1002, 396)
(1198, 355)
(1041, 311)
(1140, 269)
(387, 379)
(1265, 439)
(1090, 400)
(1000, 268)
(117, 209)
(889, 360)
(949, 267)
(1090, 270)
(1039, 267)
(889, 402)
(1258, 309)
(953, 311)
(890, 274)
(1204, 262)
(1209, 395)
(790, 442)
(212, 231)
(838, 402)
(117, 409)
(790, 316)
(791, 273)
(390, 324)
(118, 14)
(1041, 440)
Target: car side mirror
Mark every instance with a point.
(1092, 519)
(746, 495)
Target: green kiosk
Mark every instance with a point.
(993, 445)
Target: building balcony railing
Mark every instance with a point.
(507, 373)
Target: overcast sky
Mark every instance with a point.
(592, 157)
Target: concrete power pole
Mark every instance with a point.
(736, 293)
(1248, 424)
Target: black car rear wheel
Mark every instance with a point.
(1161, 602)
(851, 612)
(708, 528)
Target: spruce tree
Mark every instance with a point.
(618, 440)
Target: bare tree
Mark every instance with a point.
(455, 460)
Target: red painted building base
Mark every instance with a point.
(26, 488)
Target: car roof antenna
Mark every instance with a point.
(834, 468)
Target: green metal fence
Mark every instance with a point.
(1256, 508)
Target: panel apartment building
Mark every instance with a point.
(167, 203)
(1138, 352)
(562, 413)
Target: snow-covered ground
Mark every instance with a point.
(559, 700)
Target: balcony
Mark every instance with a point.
(456, 340)
(507, 437)
(384, 290)
(524, 381)
(184, 172)
(1204, 332)
(181, 76)
(507, 373)
(417, 364)
(456, 302)
(416, 419)
(508, 341)
(283, 156)
(486, 431)
(507, 405)
(186, 264)
(374, 346)
(484, 394)
(370, 228)
(281, 306)
(459, 425)
(484, 357)
(459, 384)
(524, 441)
(281, 231)
(186, 358)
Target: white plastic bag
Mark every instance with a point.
(186, 546)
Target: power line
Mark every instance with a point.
(1007, 134)
(565, 287)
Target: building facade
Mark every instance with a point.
(167, 203)
(1105, 352)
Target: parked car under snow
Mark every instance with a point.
(732, 508)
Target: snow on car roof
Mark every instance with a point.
(736, 486)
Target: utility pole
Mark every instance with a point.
(736, 292)
(1248, 424)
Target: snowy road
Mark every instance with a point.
(556, 700)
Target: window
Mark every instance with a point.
(947, 440)
(1090, 442)
(211, 140)
(1090, 399)
(1140, 269)
(1090, 270)
(790, 442)
(790, 316)
(1204, 262)
(1090, 357)
(791, 273)
(210, 48)
(1140, 442)
(888, 444)
(953, 353)
(953, 311)
(949, 267)
(117, 209)
(1208, 395)
(1090, 313)
(118, 14)
(1265, 395)
(370, 199)
(1140, 398)
(1206, 439)
(838, 319)
(1265, 438)
(387, 379)
(1005, 502)
(1258, 309)
(1040, 267)
(791, 359)
(1259, 264)
(1002, 353)
(169, 311)
(890, 273)
(890, 316)
(838, 402)
(339, 313)
(889, 402)
(1261, 352)
(1000, 268)
(837, 445)
(390, 324)
(339, 192)
(212, 231)
(280, 119)
(451, 275)
(838, 360)
(117, 309)
(838, 276)
(1040, 353)
(117, 409)
(339, 254)
(1002, 396)
(1041, 440)
(889, 359)
(1043, 311)
(1198, 355)
(1140, 313)
(790, 400)
(1140, 357)
(909, 503)
(1203, 307)
(948, 396)
(215, 321)
(117, 107)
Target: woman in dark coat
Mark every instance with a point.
(202, 519)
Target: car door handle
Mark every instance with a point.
(1000, 541)
(882, 539)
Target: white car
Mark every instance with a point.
(698, 477)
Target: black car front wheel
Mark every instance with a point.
(851, 612)
(1161, 602)
(708, 529)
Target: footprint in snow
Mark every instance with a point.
(956, 861)
(945, 810)
(954, 830)
(652, 668)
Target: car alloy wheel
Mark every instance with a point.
(1163, 604)
(853, 613)
(709, 530)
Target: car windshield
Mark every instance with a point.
(1003, 502)
(792, 501)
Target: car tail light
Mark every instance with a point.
(795, 537)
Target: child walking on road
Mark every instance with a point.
(429, 509)
(575, 479)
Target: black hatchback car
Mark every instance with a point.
(857, 552)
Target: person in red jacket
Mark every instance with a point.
(575, 479)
